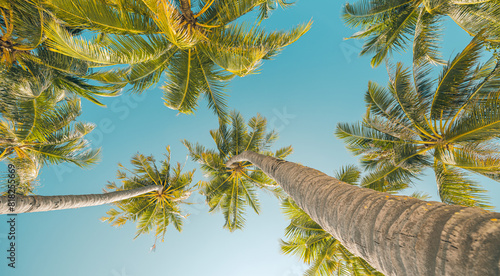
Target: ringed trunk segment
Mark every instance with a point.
(31, 204)
(398, 235)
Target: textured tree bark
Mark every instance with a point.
(31, 204)
(397, 235)
(188, 14)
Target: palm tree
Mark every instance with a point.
(36, 125)
(450, 127)
(315, 246)
(199, 48)
(397, 235)
(231, 190)
(152, 210)
(32, 204)
(389, 25)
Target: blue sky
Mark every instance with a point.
(304, 92)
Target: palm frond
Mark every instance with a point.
(348, 174)
(455, 188)
(454, 80)
(428, 31)
(100, 16)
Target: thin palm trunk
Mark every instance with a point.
(31, 204)
(185, 6)
(398, 235)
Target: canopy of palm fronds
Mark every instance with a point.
(154, 210)
(450, 124)
(36, 125)
(21, 27)
(230, 190)
(199, 46)
(66, 76)
(389, 25)
(22, 44)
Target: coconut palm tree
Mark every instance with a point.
(450, 127)
(397, 235)
(232, 190)
(157, 209)
(36, 124)
(32, 204)
(198, 46)
(389, 25)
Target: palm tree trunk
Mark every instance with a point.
(398, 235)
(31, 204)
(188, 14)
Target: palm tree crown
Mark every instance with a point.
(199, 46)
(388, 25)
(36, 125)
(230, 190)
(450, 127)
(155, 209)
(21, 28)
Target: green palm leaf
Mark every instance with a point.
(455, 188)
(100, 16)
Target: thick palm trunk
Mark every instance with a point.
(397, 235)
(31, 204)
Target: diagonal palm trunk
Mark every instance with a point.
(397, 235)
(31, 204)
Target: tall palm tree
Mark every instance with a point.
(36, 125)
(232, 190)
(32, 204)
(391, 25)
(199, 46)
(450, 127)
(397, 235)
(151, 210)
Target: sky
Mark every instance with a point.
(304, 92)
